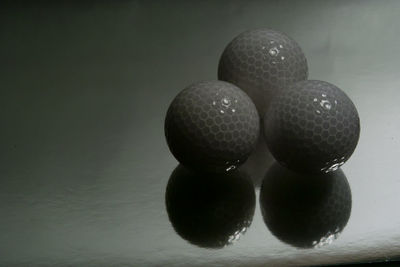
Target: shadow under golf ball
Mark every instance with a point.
(303, 210)
(209, 210)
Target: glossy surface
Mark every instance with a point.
(212, 125)
(312, 126)
(262, 62)
(84, 163)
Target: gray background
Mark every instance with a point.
(83, 94)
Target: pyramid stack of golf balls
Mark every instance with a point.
(309, 125)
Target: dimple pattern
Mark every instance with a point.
(312, 126)
(261, 62)
(212, 125)
(305, 210)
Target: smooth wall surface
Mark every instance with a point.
(84, 89)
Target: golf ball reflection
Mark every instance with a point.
(209, 210)
(305, 211)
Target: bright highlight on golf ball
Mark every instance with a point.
(262, 62)
(312, 126)
(212, 126)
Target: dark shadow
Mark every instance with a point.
(209, 210)
(305, 210)
(259, 161)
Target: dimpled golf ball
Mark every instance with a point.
(305, 210)
(212, 125)
(312, 126)
(261, 62)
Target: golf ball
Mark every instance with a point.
(312, 126)
(209, 210)
(212, 125)
(305, 210)
(261, 62)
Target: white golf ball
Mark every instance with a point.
(261, 62)
(312, 126)
(212, 125)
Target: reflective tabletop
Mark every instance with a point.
(86, 176)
